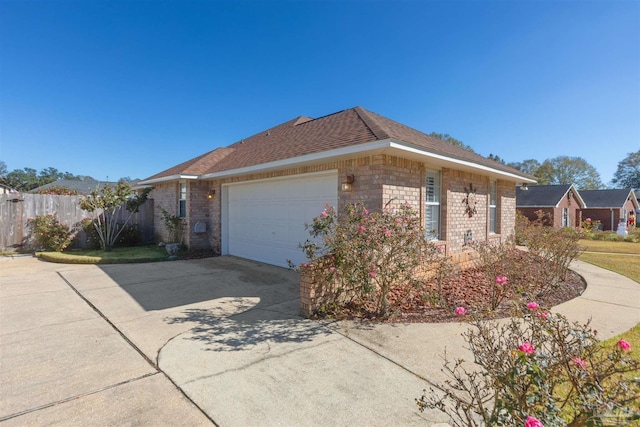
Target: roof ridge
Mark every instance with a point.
(374, 125)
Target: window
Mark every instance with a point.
(493, 210)
(432, 205)
(182, 200)
(565, 217)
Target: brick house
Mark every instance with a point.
(610, 206)
(253, 198)
(562, 203)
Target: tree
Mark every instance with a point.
(104, 204)
(451, 140)
(529, 166)
(628, 173)
(3, 169)
(569, 170)
(28, 178)
(496, 158)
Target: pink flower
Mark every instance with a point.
(362, 228)
(440, 248)
(624, 345)
(366, 212)
(304, 264)
(460, 311)
(332, 268)
(527, 347)
(533, 305)
(543, 315)
(579, 362)
(372, 273)
(533, 422)
(588, 219)
(324, 213)
(501, 280)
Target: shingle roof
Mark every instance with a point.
(606, 198)
(84, 185)
(303, 135)
(541, 196)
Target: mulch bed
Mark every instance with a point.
(470, 289)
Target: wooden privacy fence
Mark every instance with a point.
(17, 208)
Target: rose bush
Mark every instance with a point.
(536, 369)
(363, 254)
(51, 233)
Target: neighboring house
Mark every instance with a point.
(253, 198)
(562, 203)
(84, 185)
(5, 189)
(609, 206)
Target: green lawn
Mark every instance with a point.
(115, 256)
(627, 265)
(611, 247)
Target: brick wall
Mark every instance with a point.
(379, 179)
(165, 196)
(456, 222)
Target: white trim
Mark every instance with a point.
(358, 149)
(307, 158)
(167, 178)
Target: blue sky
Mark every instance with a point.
(130, 88)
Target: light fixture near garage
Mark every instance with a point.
(347, 184)
(211, 194)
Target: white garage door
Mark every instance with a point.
(265, 219)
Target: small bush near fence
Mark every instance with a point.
(50, 233)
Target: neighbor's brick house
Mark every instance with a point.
(610, 206)
(561, 204)
(252, 198)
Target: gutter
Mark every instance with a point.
(381, 146)
(167, 178)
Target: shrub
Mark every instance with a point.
(104, 203)
(174, 225)
(364, 254)
(50, 233)
(554, 247)
(538, 366)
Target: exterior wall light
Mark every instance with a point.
(211, 194)
(347, 184)
(524, 186)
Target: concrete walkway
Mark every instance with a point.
(219, 341)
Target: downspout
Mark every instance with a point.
(612, 228)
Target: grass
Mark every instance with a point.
(115, 256)
(626, 265)
(610, 247)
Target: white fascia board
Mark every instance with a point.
(307, 158)
(460, 162)
(381, 146)
(168, 178)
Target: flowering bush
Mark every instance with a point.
(51, 234)
(538, 369)
(590, 226)
(59, 191)
(363, 254)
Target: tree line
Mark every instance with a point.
(558, 170)
(567, 169)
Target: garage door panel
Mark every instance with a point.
(266, 220)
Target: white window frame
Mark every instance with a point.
(433, 189)
(566, 222)
(182, 199)
(493, 207)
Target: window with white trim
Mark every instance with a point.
(432, 205)
(182, 200)
(493, 207)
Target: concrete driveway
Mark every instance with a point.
(219, 341)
